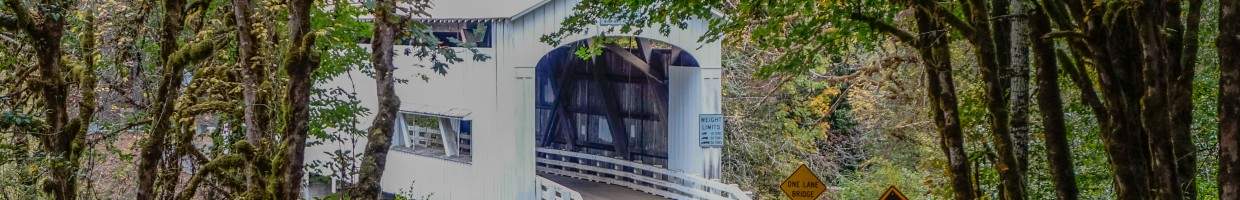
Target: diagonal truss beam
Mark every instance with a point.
(615, 122)
(560, 108)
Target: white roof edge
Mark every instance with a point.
(458, 19)
(540, 4)
(453, 12)
(437, 111)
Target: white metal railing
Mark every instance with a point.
(636, 176)
(550, 190)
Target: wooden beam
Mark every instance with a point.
(638, 63)
(622, 78)
(615, 122)
(571, 136)
(559, 109)
(627, 115)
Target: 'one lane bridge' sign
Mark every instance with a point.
(803, 185)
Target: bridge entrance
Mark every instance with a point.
(613, 104)
(626, 117)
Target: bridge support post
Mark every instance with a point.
(692, 91)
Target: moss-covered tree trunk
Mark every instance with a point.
(1019, 71)
(379, 136)
(1050, 106)
(1228, 42)
(1141, 61)
(152, 149)
(62, 137)
(983, 40)
(252, 74)
(299, 64)
(1181, 89)
(936, 59)
(254, 110)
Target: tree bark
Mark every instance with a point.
(1157, 64)
(983, 41)
(1143, 56)
(152, 149)
(932, 47)
(254, 113)
(255, 120)
(1050, 104)
(1110, 47)
(55, 92)
(59, 135)
(63, 138)
(1181, 101)
(86, 107)
(300, 63)
(1019, 80)
(1228, 42)
(379, 137)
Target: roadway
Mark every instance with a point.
(599, 191)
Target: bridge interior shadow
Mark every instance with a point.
(589, 105)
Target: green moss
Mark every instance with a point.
(192, 53)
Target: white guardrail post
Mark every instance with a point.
(550, 190)
(636, 176)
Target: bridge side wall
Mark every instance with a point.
(692, 91)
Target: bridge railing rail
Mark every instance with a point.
(646, 178)
(550, 190)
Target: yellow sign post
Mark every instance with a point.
(893, 194)
(802, 185)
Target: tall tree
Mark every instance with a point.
(387, 25)
(1181, 94)
(61, 136)
(162, 103)
(991, 45)
(1050, 106)
(255, 113)
(1140, 61)
(936, 59)
(300, 61)
(1228, 42)
(1018, 71)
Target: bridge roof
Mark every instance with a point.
(482, 9)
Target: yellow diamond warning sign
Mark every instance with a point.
(802, 185)
(893, 194)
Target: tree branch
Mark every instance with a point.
(21, 16)
(123, 128)
(938, 12)
(215, 165)
(903, 36)
(8, 22)
(1064, 34)
(192, 53)
(205, 107)
(1077, 73)
(7, 38)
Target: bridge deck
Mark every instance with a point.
(599, 191)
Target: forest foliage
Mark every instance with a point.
(968, 99)
(1022, 99)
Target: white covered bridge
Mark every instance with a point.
(536, 122)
